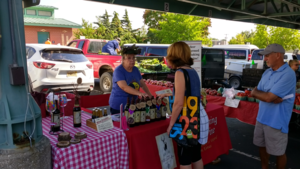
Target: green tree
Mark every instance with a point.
(177, 27)
(238, 39)
(116, 25)
(261, 37)
(87, 30)
(265, 35)
(127, 35)
(140, 34)
(126, 24)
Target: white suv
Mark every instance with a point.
(55, 66)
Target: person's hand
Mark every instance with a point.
(278, 100)
(169, 130)
(253, 92)
(160, 96)
(143, 94)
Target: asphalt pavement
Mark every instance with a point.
(245, 155)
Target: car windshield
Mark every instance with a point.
(63, 56)
(255, 55)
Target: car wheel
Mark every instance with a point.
(106, 82)
(235, 82)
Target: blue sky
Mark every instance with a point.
(75, 10)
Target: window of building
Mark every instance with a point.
(44, 13)
(30, 12)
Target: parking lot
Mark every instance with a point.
(245, 155)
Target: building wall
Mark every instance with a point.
(57, 35)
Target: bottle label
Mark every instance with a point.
(158, 101)
(77, 117)
(137, 116)
(164, 110)
(143, 104)
(132, 107)
(56, 120)
(148, 114)
(158, 114)
(138, 105)
(143, 116)
(126, 114)
(152, 113)
(149, 103)
(131, 118)
(154, 101)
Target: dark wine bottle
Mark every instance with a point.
(94, 115)
(143, 111)
(126, 112)
(164, 108)
(137, 112)
(131, 115)
(77, 115)
(148, 106)
(55, 119)
(158, 109)
(153, 109)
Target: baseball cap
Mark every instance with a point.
(276, 48)
(118, 39)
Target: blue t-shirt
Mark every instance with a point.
(119, 96)
(110, 47)
(281, 82)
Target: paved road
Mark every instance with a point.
(245, 155)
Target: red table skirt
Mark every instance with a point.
(246, 111)
(143, 151)
(154, 88)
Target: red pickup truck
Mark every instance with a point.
(103, 65)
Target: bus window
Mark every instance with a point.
(235, 54)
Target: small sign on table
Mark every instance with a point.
(104, 123)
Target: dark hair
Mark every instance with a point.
(179, 54)
(130, 50)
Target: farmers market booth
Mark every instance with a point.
(122, 148)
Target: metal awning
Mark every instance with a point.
(282, 13)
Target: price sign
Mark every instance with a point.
(104, 123)
(167, 6)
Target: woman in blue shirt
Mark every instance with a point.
(127, 81)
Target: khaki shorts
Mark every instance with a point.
(274, 140)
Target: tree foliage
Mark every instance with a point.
(265, 35)
(162, 28)
(170, 27)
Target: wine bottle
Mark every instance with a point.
(153, 109)
(131, 115)
(105, 112)
(137, 112)
(56, 119)
(94, 115)
(100, 113)
(143, 111)
(164, 108)
(148, 106)
(97, 113)
(158, 108)
(77, 115)
(127, 108)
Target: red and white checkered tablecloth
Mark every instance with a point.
(105, 150)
